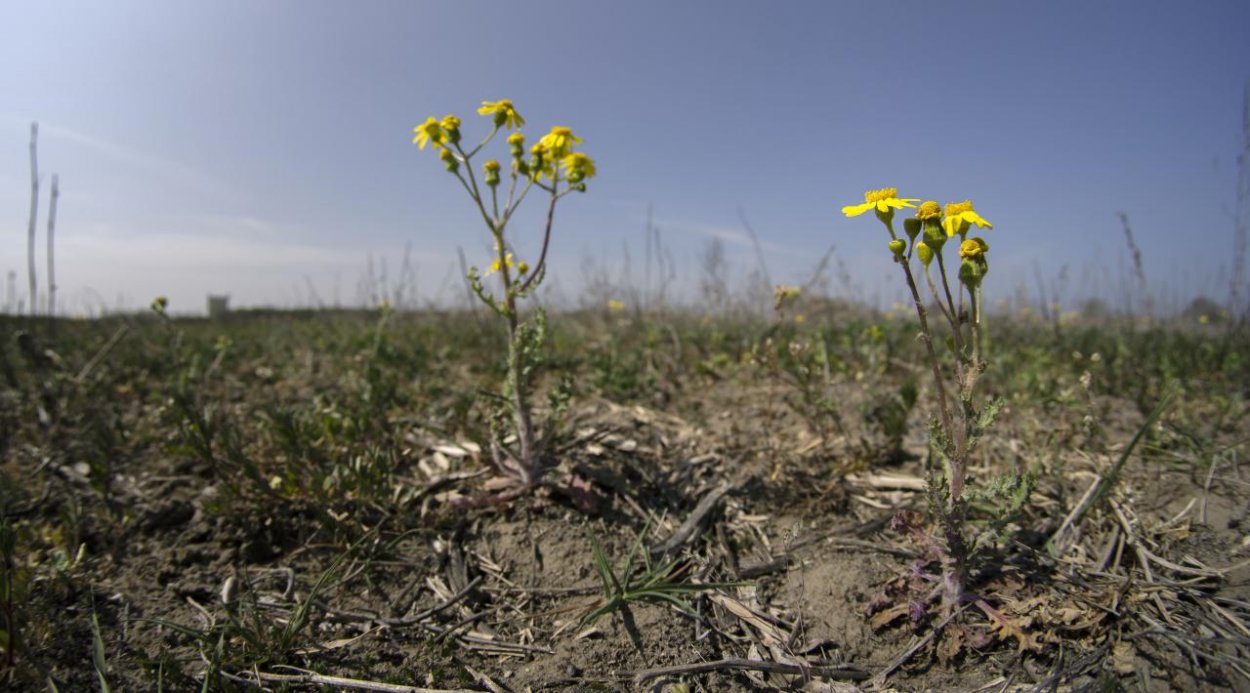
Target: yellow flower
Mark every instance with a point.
(616, 306)
(960, 216)
(540, 163)
(429, 131)
(883, 200)
(505, 114)
(578, 167)
(449, 160)
(491, 167)
(929, 210)
(450, 122)
(973, 247)
(495, 266)
(516, 145)
(559, 142)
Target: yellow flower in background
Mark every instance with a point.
(429, 131)
(495, 266)
(883, 200)
(505, 114)
(616, 306)
(783, 294)
(960, 216)
(577, 167)
(559, 142)
(973, 247)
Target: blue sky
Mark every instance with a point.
(263, 149)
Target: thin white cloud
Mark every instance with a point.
(128, 155)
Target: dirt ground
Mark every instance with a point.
(788, 557)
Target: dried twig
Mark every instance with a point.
(686, 531)
(839, 673)
(308, 677)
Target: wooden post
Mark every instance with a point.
(55, 194)
(34, 213)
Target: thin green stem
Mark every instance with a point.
(489, 136)
(936, 297)
(927, 338)
(540, 266)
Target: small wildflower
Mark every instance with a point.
(616, 306)
(883, 200)
(540, 161)
(929, 210)
(516, 143)
(159, 304)
(495, 266)
(491, 167)
(451, 127)
(578, 167)
(449, 159)
(960, 216)
(505, 114)
(429, 131)
(559, 142)
(784, 295)
(973, 247)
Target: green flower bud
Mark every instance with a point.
(912, 226)
(924, 252)
(971, 272)
(492, 172)
(449, 160)
(516, 145)
(898, 246)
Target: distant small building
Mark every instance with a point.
(218, 306)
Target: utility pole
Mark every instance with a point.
(56, 194)
(34, 213)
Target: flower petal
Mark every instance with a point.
(976, 219)
(856, 210)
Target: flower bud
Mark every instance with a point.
(912, 226)
(492, 172)
(924, 252)
(451, 126)
(973, 247)
(449, 160)
(898, 246)
(516, 145)
(522, 267)
(972, 271)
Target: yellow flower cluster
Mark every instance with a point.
(938, 222)
(552, 154)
